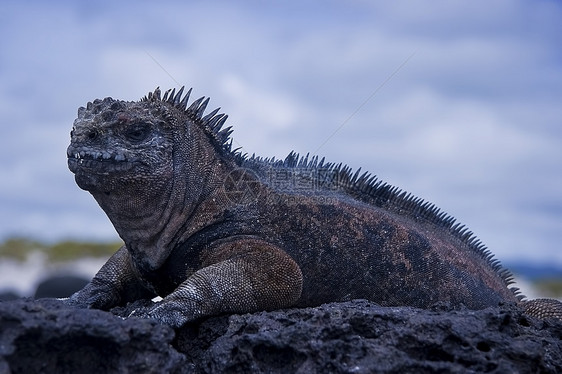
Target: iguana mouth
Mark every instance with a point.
(99, 162)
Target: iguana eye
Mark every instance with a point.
(92, 134)
(138, 132)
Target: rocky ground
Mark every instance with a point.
(45, 336)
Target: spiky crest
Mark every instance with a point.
(211, 123)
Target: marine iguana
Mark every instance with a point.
(212, 230)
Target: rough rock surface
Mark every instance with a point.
(45, 336)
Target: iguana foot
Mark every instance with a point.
(169, 313)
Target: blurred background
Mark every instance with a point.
(458, 102)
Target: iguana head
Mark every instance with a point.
(116, 145)
(146, 163)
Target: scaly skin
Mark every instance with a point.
(212, 231)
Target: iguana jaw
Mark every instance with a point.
(91, 167)
(99, 162)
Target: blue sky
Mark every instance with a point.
(471, 122)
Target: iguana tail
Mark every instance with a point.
(543, 308)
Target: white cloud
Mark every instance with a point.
(278, 110)
(471, 122)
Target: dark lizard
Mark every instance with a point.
(212, 230)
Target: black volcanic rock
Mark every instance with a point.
(7, 295)
(60, 286)
(45, 336)
(352, 337)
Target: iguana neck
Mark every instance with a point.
(152, 219)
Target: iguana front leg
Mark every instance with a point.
(115, 284)
(243, 276)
